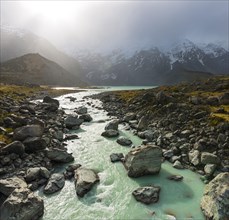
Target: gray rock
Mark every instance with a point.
(72, 121)
(129, 116)
(44, 172)
(200, 115)
(59, 135)
(207, 158)
(124, 141)
(32, 174)
(59, 155)
(15, 147)
(224, 99)
(215, 201)
(110, 133)
(48, 99)
(81, 110)
(163, 98)
(168, 154)
(115, 157)
(55, 183)
(175, 177)
(5, 161)
(7, 186)
(142, 124)
(85, 179)
(147, 194)
(209, 168)
(144, 160)
(70, 137)
(194, 157)
(24, 132)
(178, 165)
(33, 144)
(113, 125)
(86, 117)
(36, 174)
(147, 134)
(22, 204)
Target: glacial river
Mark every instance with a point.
(111, 198)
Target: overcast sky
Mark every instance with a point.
(120, 24)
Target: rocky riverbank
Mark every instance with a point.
(189, 122)
(32, 143)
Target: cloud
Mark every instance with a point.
(102, 25)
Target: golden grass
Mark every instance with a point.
(224, 116)
(128, 95)
(5, 139)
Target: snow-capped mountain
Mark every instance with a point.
(155, 65)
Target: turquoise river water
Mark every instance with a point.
(111, 198)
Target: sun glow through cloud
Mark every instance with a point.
(54, 10)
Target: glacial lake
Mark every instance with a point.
(112, 197)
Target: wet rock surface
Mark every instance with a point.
(55, 183)
(147, 194)
(85, 179)
(144, 160)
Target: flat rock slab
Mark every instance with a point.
(85, 179)
(147, 194)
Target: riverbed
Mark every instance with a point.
(111, 198)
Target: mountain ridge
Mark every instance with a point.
(35, 69)
(156, 65)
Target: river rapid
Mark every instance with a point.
(112, 197)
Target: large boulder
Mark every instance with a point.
(48, 99)
(55, 183)
(144, 160)
(33, 144)
(16, 147)
(215, 201)
(24, 132)
(22, 204)
(85, 179)
(36, 173)
(113, 125)
(81, 110)
(110, 133)
(7, 186)
(147, 194)
(207, 158)
(59, 155)
(124, 141)
(73, 121)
